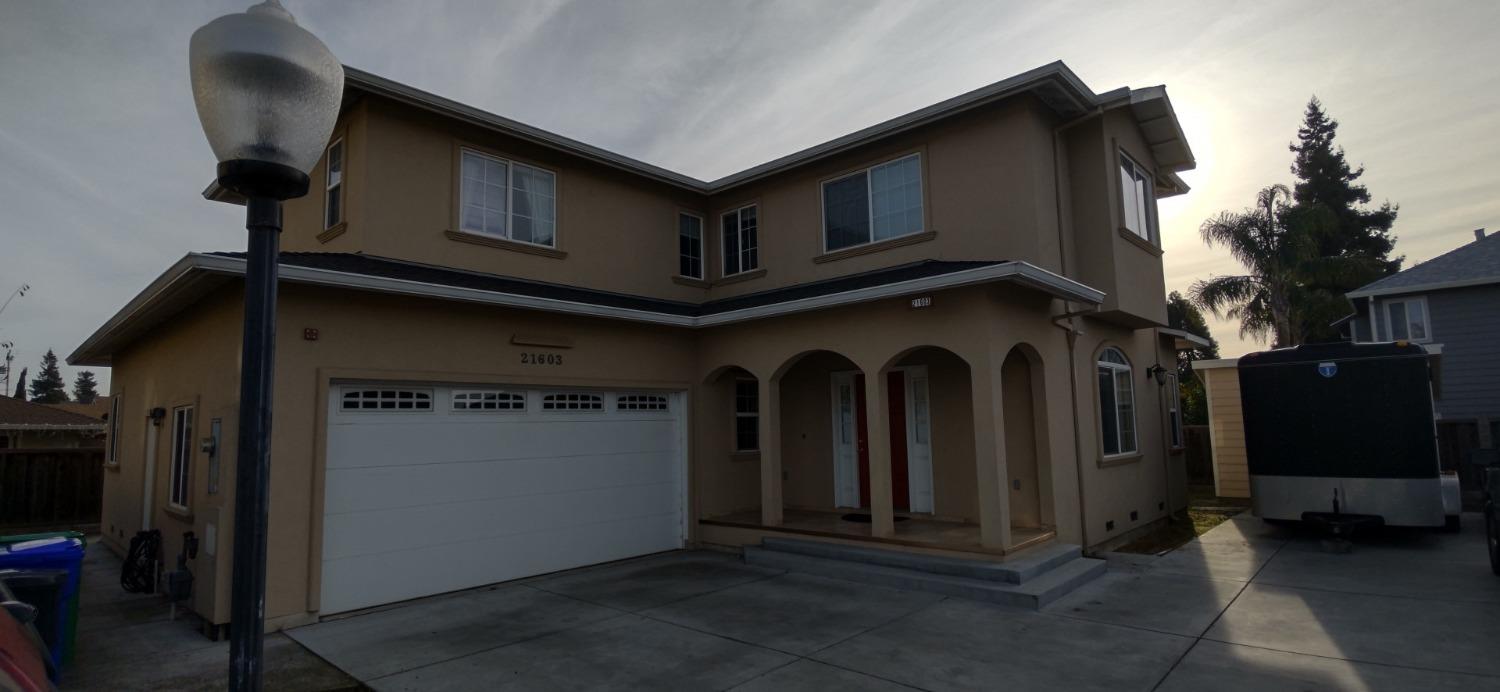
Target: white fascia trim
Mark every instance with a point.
(1185, 336)
(1021, 272)
(1220, 363)
(1422, 288)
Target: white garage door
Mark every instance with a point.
(437, 488)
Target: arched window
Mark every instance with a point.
(1116, 403)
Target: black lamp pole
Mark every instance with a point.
(268, 93)
(253, 470)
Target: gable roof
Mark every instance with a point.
(1473, 264)
(25, 415)
(98, 409)
(197, 273)
(1054, 84)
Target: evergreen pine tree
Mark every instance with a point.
(48, 386)
(20, 386)
(85, 389)
(1327, 186)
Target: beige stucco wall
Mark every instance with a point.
(1226, 431)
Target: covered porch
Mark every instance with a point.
(944, 445)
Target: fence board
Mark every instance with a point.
(50, 486)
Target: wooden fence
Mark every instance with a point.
(1200, 458)
(50, 487)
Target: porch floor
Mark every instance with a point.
(915, 531)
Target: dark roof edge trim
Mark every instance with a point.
(196, 263)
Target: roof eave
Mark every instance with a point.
(1371, 290)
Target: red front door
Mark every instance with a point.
(896, 422)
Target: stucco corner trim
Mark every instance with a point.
(1140, 242)
(868, 248)
(333, 232)
(690, 281)
(742, 276)
(504, 244)
(1122, 460)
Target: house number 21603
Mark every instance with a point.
(541, 359)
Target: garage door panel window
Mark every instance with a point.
(182, 456)
(641, 402)
(572, 401)
(746, 416)
(1116, 403)
(386, 399)
(488, 400)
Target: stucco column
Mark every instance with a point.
(770, 451)
(989, 456)
(878, 436)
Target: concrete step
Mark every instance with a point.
(1016, 569)
(1034, 594)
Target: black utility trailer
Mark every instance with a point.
(1344, 434)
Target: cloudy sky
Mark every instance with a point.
(101, 156)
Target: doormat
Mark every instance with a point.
(865, 518)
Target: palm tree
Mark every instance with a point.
(1278, 245)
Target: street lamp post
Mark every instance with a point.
(268, 93)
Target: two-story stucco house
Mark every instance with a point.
(502, 352)
(1451, 305)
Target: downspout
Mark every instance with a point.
(1073, 332)
(1166, 430)
(1068, 314)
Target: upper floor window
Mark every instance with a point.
(741, 247)
(508, 200)
(1116, 403)
(874, 204)
(333, 193)
(690, 246)
(1407, 319)
(1137, 199)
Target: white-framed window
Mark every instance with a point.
(1174, 411)
(386, 399)
(488, 400)
(1137, 199)
(572, 401)
(690, 245)
(507, 200)
(114, 429)
(874, 204)
(1406, 318)
(746, 415)
(333, 191)
(741, 246)
(641, 402)
(1116, 403)
(182, 457)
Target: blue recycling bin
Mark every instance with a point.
(55, 554)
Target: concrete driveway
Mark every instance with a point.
(1246, 607)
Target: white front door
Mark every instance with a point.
(845, 441)
(849, 438)
(434, 488)
(918, 439)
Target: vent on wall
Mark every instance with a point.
(1109, 525)
(1134, 515)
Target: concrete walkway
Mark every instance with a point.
(126, 642)
(1246, 607)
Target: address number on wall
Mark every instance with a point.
(541, 358)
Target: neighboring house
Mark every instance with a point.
(501, 352)
(1451, 305)
(28, 425)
